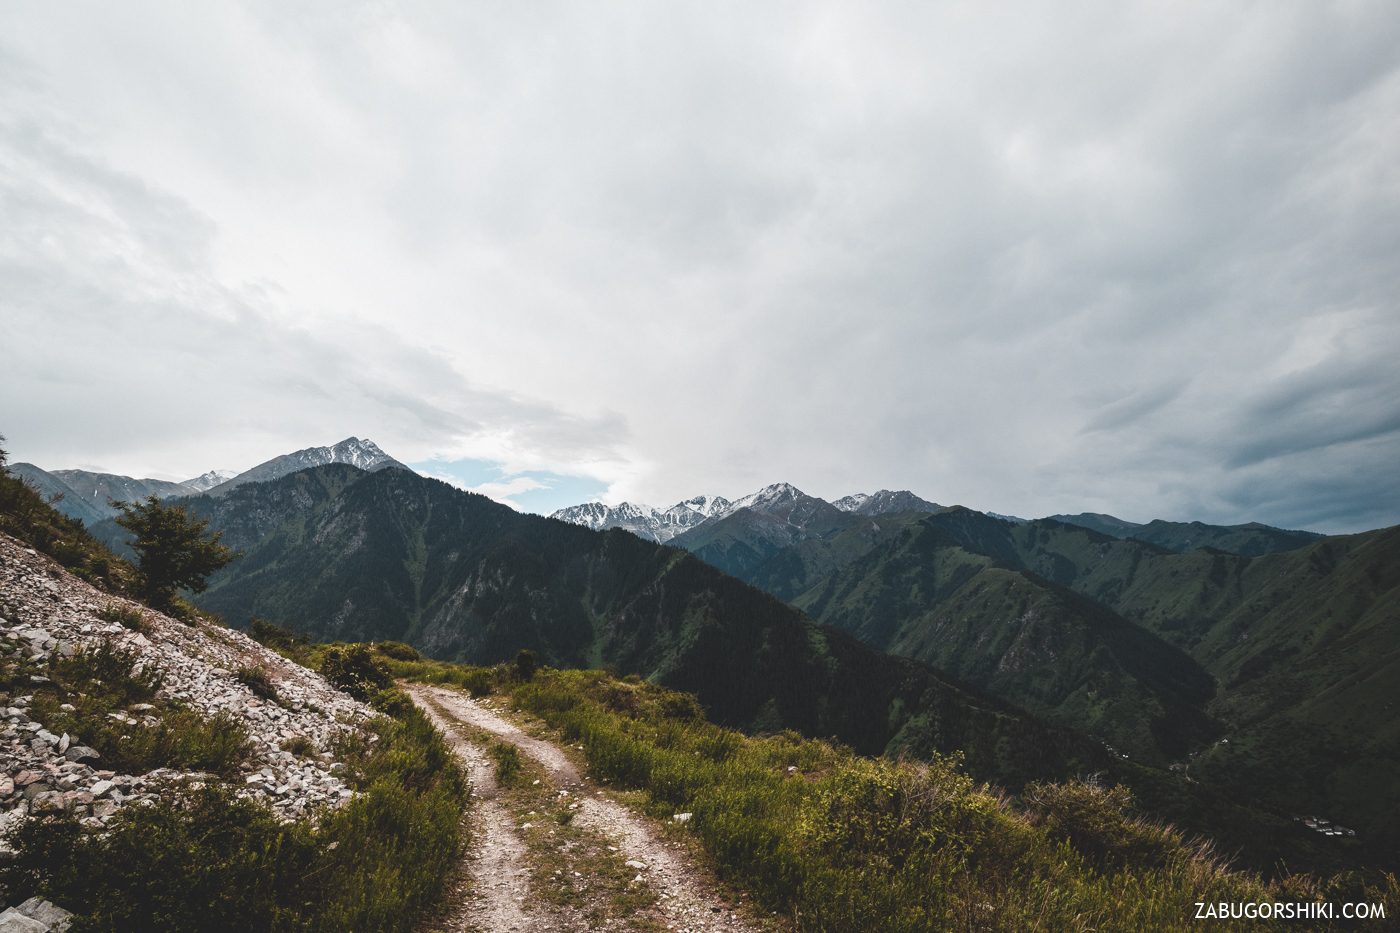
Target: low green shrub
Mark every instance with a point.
(125, 616)
(1098, 821)
(356, 670)
(478, 681)
(526, 664)
(100, 686)
(299, 745)
(397, 650)
(107, 674)
(256, 680)
(284, 641)
(507, 758)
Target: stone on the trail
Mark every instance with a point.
(634, 863)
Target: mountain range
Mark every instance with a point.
(662, 525)
(1229, 688)
(645, 521)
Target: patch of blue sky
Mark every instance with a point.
(538, 491)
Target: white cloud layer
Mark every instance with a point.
(1127, 258)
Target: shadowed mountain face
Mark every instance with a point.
(343, 554)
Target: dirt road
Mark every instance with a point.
(497, 876)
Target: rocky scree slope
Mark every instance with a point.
(46, 613)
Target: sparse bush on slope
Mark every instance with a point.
(209, 861)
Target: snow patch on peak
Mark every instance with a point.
(853, 502)
(209, 480)
(767, 497)
(363, 454)
(645, 521)
(707, 506)
(885, 501)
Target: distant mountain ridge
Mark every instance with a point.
(1250, 540)
(668, 525)
(644, 521)
(662, 525)
(87, 495)
(64, 498)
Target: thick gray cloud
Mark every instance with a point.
(1137, 259)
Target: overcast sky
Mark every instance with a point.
(1132, 258)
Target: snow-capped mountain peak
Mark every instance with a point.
(853, 502)
(645, 521)
(362, 453)
(885, 501)
(209, 480)
(767, 497)
(708, 506)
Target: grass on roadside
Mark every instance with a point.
(840, 842)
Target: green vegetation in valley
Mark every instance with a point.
(1285, 656)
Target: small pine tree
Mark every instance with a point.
(526, 663)
(176, 551)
